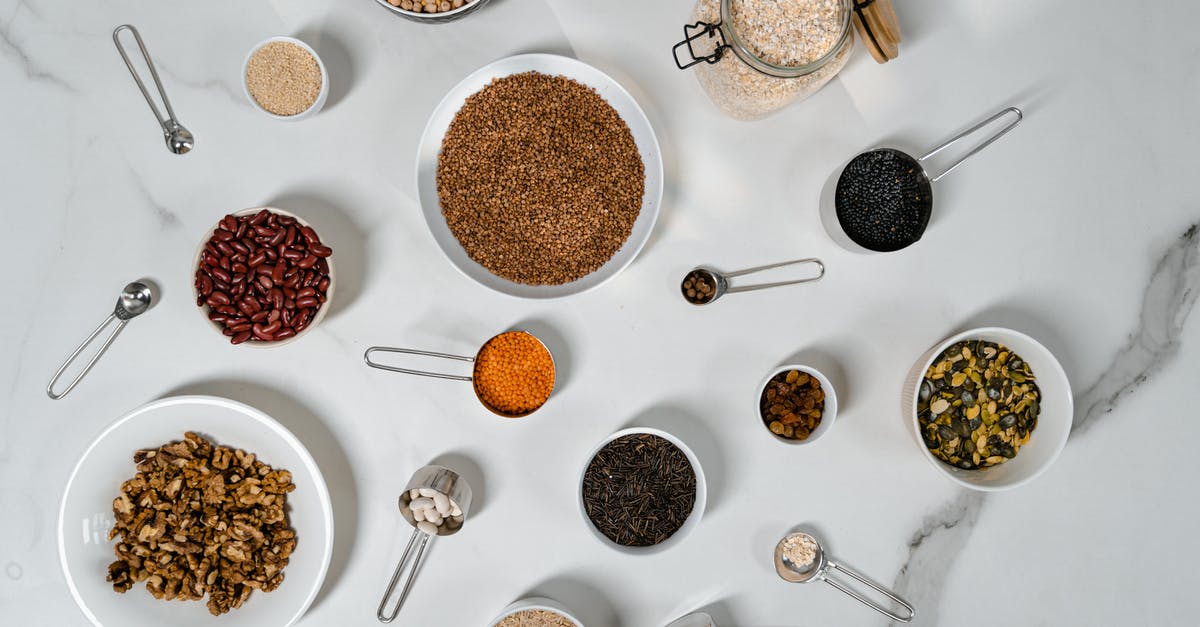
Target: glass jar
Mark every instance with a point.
(779, 57)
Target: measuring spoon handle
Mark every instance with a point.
(868, 602)
(382, 613)
(953, 140)
(413, 351)
(108, 342)
(762, 286)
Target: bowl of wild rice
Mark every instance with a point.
(432, 11)
(990, 408)
(535, 612)
(539, 176)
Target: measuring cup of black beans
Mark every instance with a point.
(884, 197)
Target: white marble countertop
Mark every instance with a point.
(1079, 228)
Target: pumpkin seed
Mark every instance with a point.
(977, 404)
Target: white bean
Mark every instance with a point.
(427, 527)
(422, 503)
(442, 503)
(428, 492)
(432, 516)
(454, 511)
(413, 494)
(418, 515)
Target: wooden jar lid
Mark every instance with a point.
(878, 28)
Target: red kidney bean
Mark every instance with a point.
(223, 235)
(291, 235)
(261, 332)
(225, 249)
(241, 230)
(241, 326)
(217, 316)
(308, 301)
(260, 316)
(218, 298)
(265, 281)
(323, 284)
(265, 269)
(310, 235)
(260, 217)
(223, 263)
(229, 223)
(278, 271)
(220, 286)
(221, 274)
(320, 250)
(264, 231)
(284, 334)
(307, 262)
(257, 259)
(240, 337)
(273, 317)
(241, 248)
(204, 284)
(286, 220)
(277, 238)
(240, 268)
(292, 254)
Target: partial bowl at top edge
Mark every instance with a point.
(322, 95)
(698, 506)
(1047, 439)
(615, 95)
(434, 18)
(317, 317)
(533, 604)
(828, 414)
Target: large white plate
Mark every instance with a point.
(86, 514)
(610, 90)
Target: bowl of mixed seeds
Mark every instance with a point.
(991, 408)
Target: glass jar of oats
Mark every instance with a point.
(782, 50)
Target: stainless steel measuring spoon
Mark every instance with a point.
(135, 299)
(818, 570)
(179, 139)
(455, 377)
(447, 482)
(884, 197)
(704, 285)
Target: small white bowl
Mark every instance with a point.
(321, 311)
(828, 414)
(693, 519)
(322, 95)
(535, 603)
(1054, 418)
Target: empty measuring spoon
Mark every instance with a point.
(817, 569)
(135, 299)
(884, 197)
(179, 139)
(704, 285)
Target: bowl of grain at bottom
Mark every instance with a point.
(284, 78)
(1046, 440)
(535, 612)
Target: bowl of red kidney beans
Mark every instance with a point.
(263, 277)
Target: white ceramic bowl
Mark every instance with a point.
(828, 415)
(317, 318)
(85, 515)
(1054, 419)
(435, 18)
(617, 97)
(693, 519)
(322, 95)
(535, 603)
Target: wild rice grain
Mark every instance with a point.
(539, 179)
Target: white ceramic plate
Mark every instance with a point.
(85, 516)
(610, 90)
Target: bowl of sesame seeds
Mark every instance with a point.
(284, 78)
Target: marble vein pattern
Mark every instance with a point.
(15, 50)
(1168, 301)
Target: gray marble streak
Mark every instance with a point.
(166, 217)
(33, 70)
(1166, 305)
(932, 551)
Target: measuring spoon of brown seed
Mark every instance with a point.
(705, 285)
(799, 558)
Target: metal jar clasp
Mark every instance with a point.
(694, 32)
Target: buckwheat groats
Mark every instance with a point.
(539, 179)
